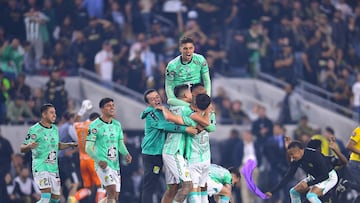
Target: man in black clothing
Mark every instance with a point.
(321, 176)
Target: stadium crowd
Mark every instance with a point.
(131, 42)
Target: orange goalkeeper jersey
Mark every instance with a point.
(82, 130)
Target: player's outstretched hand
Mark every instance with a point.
(128, 158)
(268, 194)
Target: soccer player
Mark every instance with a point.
(43, 141)
(322, 177)
(197, 150)
(354, 147)
(156, 128)
(103, 144)
(171, 154)
(220, 182)
(188, 68)
(87, 167)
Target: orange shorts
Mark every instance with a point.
(88, 173)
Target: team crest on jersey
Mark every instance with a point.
(353, 134)
(311, 165)
(94, 131)
(204, 63)
(33, 136)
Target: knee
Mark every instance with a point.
(187, 186)
(293, 192)
(111, 192)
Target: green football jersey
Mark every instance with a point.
(106, 138)
(45, 155)
(197, 146)
(175, 142)
(178, 73)
(220, 174)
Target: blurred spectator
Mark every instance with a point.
(303, 128)
(254, 40)
(230, 17)
(290, 107)
(342, 92)
(220, 95)
(137, 73)
(356, 95)
(68, 165)
(94, 8)
(25, 187)
(262, 128)
(18, 112)
(116, 15)
(237, 114)
(36, 31)
(11, 58)
(345, 9)
(20, 88)
(9, 188)
(225, 111)
(66, 30)
(248, 149)
(5, 85)
(275, 153)
(36, 101)
(228, 157)
(327, 8)
(104, 64)
(328, 77)
(80, 16)
(157, 40)
(329, 134)
(29, 59)
(51, 24)
(55, 92)
(18, 163)
(94, 34)
(6, 152)
(78, 50)
(237, 56)
(12, 18)
(61, 59)
(284, 64)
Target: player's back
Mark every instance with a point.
(82, 131)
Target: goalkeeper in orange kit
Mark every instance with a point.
(87, 167)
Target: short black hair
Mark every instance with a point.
(194, 86)
(314, 144)
(178, 90)
(234, 171)
(104, 101)
(45, 107)
(202, 101)
(185, 40)
(296, 144)
(93, 116)
(68, 115)
(146, 94)
(330, 130)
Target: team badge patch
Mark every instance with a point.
(204, 63)
(33, 136)
(156, 169)
(94, 131)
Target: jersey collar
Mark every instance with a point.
(105, 121)
(181, 61)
